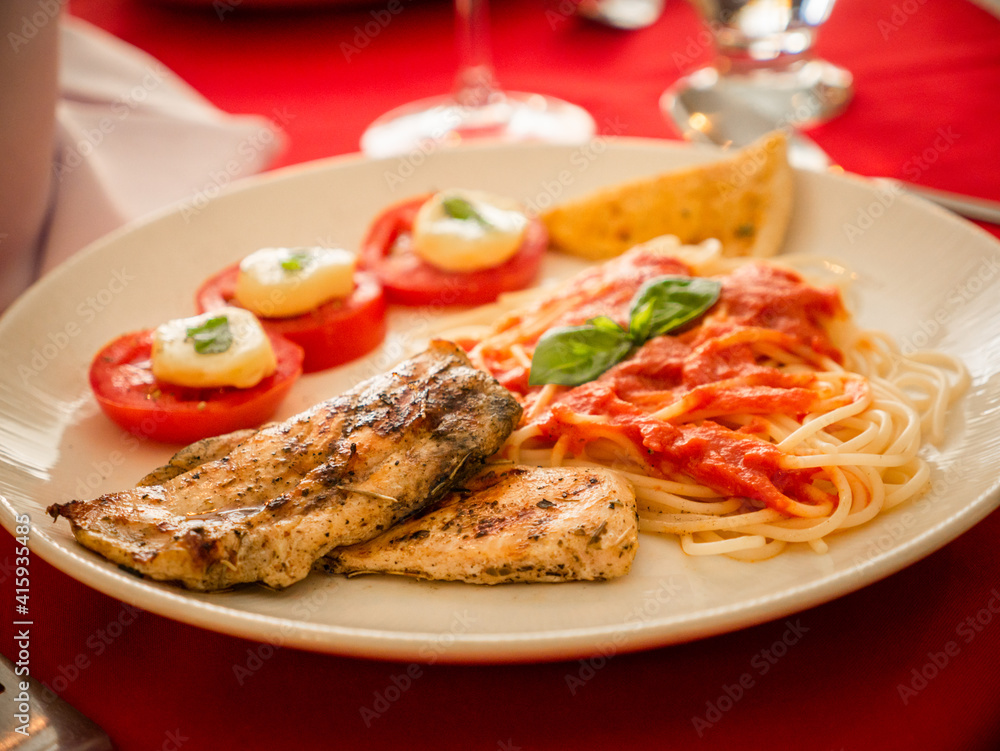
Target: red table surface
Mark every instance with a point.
(852, 680)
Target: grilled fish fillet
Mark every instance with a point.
(519, 524)
(337, 474)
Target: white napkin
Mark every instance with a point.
(133, 137)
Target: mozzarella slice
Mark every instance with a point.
(244, 362)
(484, 237)
(285, 282)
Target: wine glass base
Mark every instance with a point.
(800, 95)
(509, 117)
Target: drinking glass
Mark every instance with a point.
(477, 109)
(764, 57)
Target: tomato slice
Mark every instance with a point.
(336, 332)
(410, 280)
(122, 379)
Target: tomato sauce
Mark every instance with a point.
(700, 376)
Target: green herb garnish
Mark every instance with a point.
(459, 208)
(211, 337)
(296, 261)
(664, 304)
(571, 355)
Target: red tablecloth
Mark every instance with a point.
(852, 681)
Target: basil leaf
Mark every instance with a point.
(664, 304)
(459, 208)
(604, 323)
(211, 337)
(641, 321)
(295, 261)
(572, 355)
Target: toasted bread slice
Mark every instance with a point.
(744, 201)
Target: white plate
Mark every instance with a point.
(927, 277)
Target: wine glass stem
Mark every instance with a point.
(475, 85)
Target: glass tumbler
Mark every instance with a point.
(764, 57)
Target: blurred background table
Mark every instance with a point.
(921, 69)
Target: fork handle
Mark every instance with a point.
(968, 206)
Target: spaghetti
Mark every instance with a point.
(772, 420)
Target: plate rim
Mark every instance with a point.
(292, 171)
(492, 648)
(478, 648)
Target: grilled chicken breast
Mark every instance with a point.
(198, 453)
(339, 473)
(517, 524)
